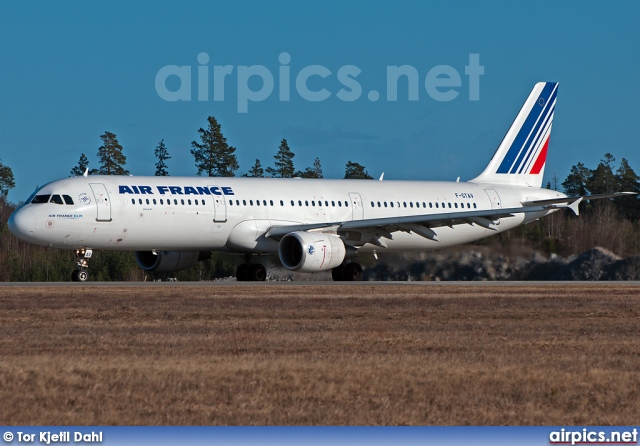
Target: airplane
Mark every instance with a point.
(313, 225)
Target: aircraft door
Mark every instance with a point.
(102, 201)
(219, 205)
(356, 206)
(494, 198)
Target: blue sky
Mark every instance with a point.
(71, 71)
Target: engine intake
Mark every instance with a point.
(169, 261)
(311, 252)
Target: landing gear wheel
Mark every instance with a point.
(352, 272)
(242, 273)
(83, 275)
(257, 273)
(74, 275)
(337, 274)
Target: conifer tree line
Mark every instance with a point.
(213, 157)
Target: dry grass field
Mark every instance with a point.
(315, 355)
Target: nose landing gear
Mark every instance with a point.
(81, 273)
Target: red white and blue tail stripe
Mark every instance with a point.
(521, 157)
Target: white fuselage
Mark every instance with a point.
(233, 214)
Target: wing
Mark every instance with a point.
(381, 228)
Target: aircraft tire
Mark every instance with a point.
(83, 275)
(337, 273)
(242, 273)
(352, 272)
(257, 273)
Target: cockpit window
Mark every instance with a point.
(67, 199)
(57, 199)
(40, 199)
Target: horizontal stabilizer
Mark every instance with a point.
(573, 202)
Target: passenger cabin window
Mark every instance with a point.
(39, 199)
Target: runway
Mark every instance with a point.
(234, 283)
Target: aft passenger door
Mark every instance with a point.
(356, 206)
(495, 198)
(219, 206)
(103, 202)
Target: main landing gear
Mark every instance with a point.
(348, 272)
(81, 274)
(251, 272)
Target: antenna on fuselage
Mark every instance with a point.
(86, 172)
(381, 177)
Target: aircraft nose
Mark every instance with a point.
(22, 222)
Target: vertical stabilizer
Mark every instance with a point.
(521, 157)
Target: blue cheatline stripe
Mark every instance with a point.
(546, 114)
(542, 114)
(524, 131)
(537, 142)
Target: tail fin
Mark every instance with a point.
(521, 156)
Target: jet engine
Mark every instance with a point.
(169, 261)
(311, 252)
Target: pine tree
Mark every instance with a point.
(7, 181)
(256, 171)
(80, 169)
(576, 182)
(354, 171)
(162, 155)
(311, 172)
(214, 156)
(628, 181)
(110, 156)
(284, 162)
(602, 179)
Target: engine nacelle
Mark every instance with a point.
(311, 252)
(169, 261)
